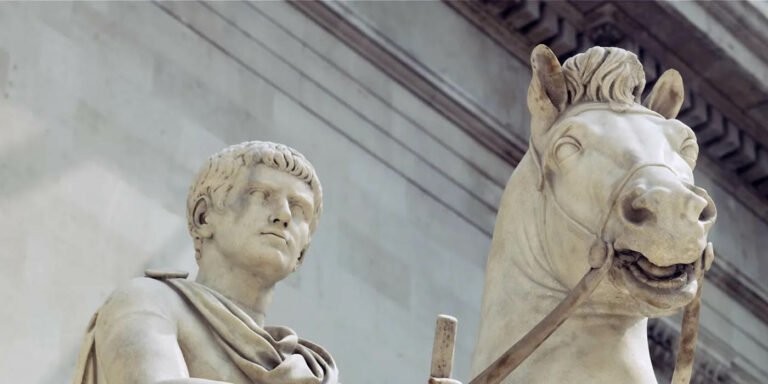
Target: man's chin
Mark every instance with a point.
(268, 263)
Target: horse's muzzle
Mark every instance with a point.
(664, 219)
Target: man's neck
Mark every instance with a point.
(250, 292)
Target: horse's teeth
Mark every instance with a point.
(677, 282)
(671, 283)
(627, 258)
(639, 274)
(655, 270)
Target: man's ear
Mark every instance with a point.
(667, 95)
(201, 226)
(301, 258)
(547, 94)
(299, 261)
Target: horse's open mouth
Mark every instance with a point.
(668, 278)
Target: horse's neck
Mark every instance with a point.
(597, 349)
(520, 290)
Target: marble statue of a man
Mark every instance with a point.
(251, 212)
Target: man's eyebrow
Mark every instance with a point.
(259, 184)
(301, 199)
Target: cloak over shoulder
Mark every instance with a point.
(269, 355)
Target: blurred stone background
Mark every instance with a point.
(414, 116)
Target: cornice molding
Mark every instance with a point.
(739, 287)
(744, 20)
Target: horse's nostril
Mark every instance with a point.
(634, 213)
(708, 213)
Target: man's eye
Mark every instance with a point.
(297, 208)
(260, 193)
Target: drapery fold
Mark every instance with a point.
(268, 355)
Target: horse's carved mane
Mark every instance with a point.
(607, 75)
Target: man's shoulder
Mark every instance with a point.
(142, 295)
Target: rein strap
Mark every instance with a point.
(514, 356)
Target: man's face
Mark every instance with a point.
(265, 223)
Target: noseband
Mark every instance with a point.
(600, 259)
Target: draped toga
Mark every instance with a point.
(268, 355)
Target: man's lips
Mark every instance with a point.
(276, 234)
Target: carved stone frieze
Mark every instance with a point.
(606, 35)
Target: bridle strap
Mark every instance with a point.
(688, 333)
(542, 182)
(596, 252)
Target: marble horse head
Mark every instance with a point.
(607, 182)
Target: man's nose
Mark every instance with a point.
(281, 212)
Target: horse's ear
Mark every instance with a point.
(667, 95)
(547, 94)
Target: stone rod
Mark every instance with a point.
(444, 347)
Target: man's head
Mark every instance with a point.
(252, 200)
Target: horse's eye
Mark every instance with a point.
(690, 151)
(566, 147)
